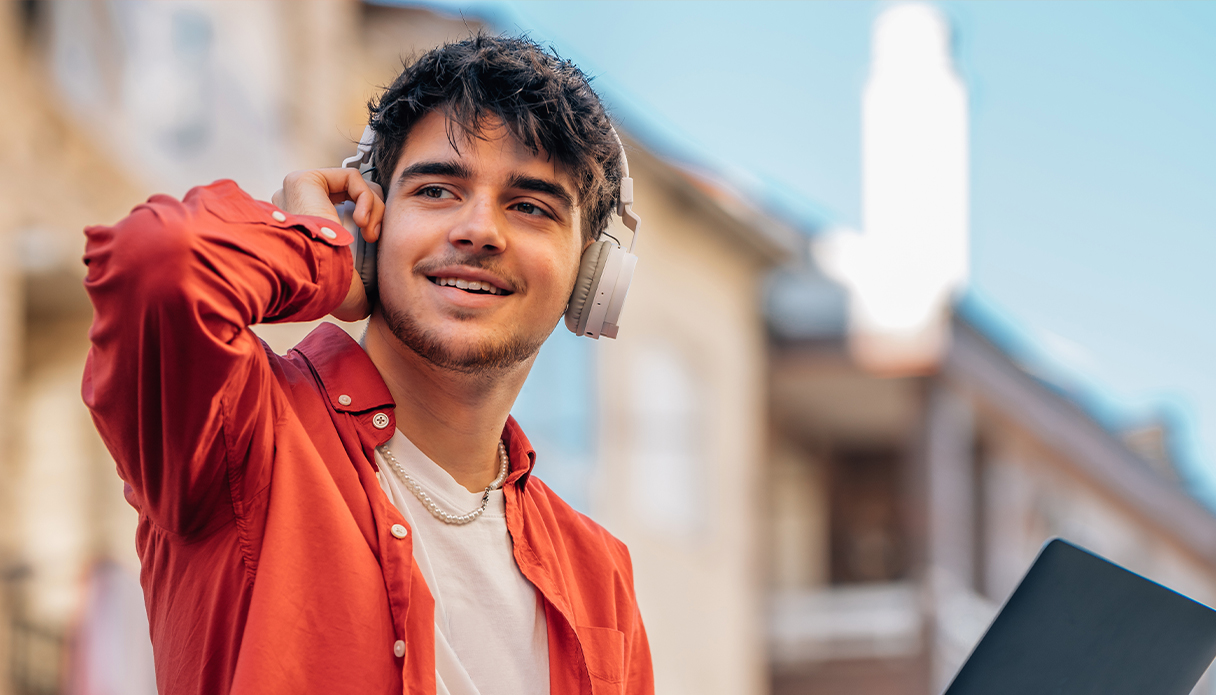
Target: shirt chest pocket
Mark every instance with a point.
(604, 650)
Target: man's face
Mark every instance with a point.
(479, 248)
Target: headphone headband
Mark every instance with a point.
(624, 205)
(625, 198)
(363, 153)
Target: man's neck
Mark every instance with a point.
(456, 419)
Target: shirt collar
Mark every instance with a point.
(348, 376)
(353, 385)
(520, 451)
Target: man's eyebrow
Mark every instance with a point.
(537, 185)
(453, 170)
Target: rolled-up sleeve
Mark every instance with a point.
(177, 384)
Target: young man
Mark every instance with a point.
(364, 518)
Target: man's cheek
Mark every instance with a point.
(564, 287)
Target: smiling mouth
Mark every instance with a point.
(470, 286)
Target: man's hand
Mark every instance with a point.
(315, 192)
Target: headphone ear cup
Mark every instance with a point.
(362, 252)
(590, 270)
(365, 266)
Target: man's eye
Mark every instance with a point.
(530, 209)
(436, 192)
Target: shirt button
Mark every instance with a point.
(380, 420)
(344, 399)
(399, 531)
(278, 216)
(328, 233)
(399, 648)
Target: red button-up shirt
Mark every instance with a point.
(269, 565)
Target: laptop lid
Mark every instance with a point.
(1081, 625)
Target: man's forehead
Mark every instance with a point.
(437, 136)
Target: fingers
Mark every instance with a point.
(369, 209)
(316, 191)
(348, 184)
(372, 231)
(306, 193)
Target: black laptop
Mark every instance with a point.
(1080, 625)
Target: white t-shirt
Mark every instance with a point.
(490, 634)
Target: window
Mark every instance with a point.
(668, 466)
(866, 538)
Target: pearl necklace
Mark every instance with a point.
(425, 499)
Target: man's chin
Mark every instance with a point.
(476, 352)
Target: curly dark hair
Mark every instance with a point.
(544, 101)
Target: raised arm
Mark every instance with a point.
(178, 385)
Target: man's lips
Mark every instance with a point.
(471, 286)
(471, 280)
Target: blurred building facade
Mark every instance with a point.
(804, 516)
(903, 510)
(916, 467)
(60, 508)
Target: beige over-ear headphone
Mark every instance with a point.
(604, 274)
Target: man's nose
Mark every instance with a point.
(479, 228)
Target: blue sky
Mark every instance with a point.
(1093, 159)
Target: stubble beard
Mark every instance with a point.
(486, 358)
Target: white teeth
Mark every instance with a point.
(475, 285)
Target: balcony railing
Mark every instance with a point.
(848, 622)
